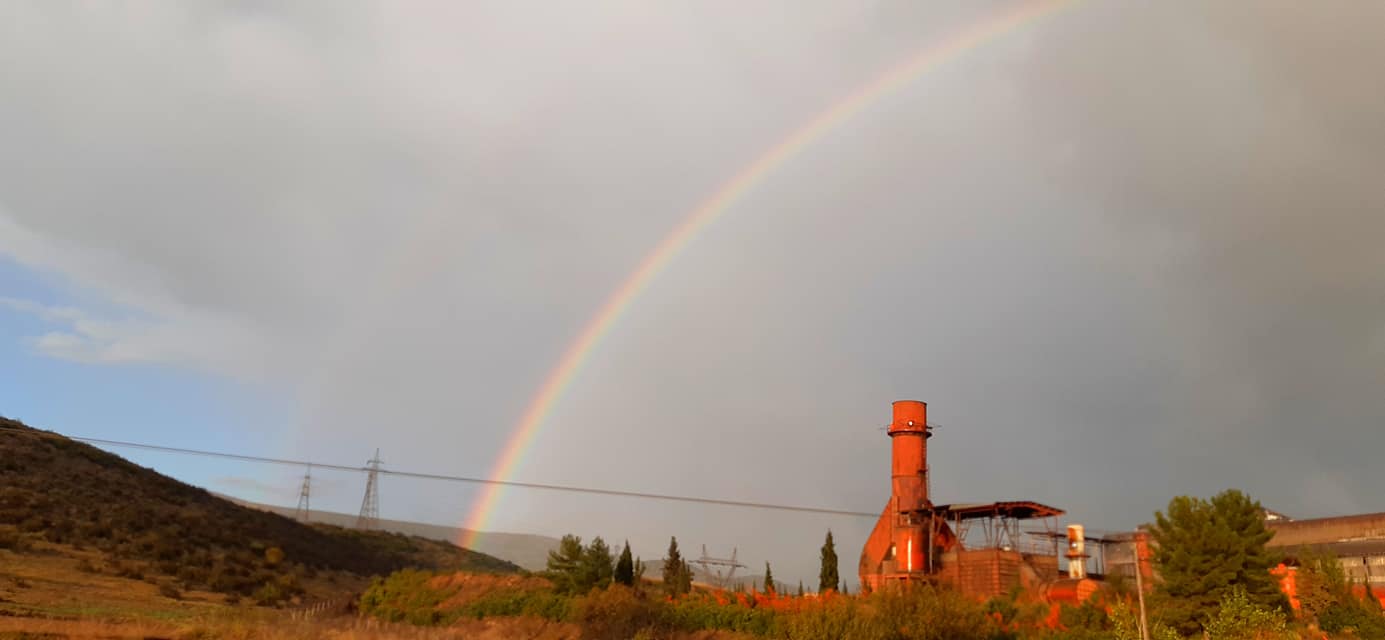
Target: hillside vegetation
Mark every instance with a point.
(58, 491)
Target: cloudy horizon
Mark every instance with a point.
(1125, 252)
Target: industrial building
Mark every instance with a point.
(978, 548)
(1357, 541)
(981, 549)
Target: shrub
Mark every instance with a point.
(1238, 618)
(404, 596)
(930, 613)
(616, 613)
(1088, 615)
(513, 602)
(697, 612)
(1355, 617)
(828, 620)
(169, 591)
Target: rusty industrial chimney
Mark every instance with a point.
(899, 546)
(909, 455)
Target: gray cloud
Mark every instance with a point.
(1126, 253)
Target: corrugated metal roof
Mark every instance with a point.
(1019, 510)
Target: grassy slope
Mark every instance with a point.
(58, 491)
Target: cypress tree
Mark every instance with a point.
(769, 580)
(625, 567)
(827, 576)
(674, 570)
(800, 588)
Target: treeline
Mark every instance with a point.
(577, 569)
(1216, 582)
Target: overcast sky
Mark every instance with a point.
(1129, 251)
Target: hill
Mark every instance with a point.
(526, 550)
(56, 491)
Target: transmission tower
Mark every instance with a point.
(370, 504)
(302, 513)
(711, 568)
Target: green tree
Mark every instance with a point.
(1206, 548)
(800, 588)
(625, 567)
(1239, 618)
(597, 566)
(565, 564)
(769, 580)
(827, 575)
(676, 571)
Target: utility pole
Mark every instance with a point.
(370, 504)
(1140, 590)
(302, 513)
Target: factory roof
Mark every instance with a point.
(1018, 510)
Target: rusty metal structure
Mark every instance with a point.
(917, 540)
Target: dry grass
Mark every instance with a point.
(58, 581)
(46, 594)
(49, 582)
(279, 628)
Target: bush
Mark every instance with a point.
(503, 603)
(404, 596)
(930, 613)
(615, 613)
(1355, 617)
(1088, 615)
(1238, 618)
(696, 612)
(829, 620)
(169, 591)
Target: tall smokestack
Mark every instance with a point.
(909, 455)
(901, 545)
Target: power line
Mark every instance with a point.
(451, 478)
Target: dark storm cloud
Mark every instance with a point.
(1124, 253)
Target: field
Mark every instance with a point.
(51, 591)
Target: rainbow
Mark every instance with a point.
(709, 210)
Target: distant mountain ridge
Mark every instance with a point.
(529, 551)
